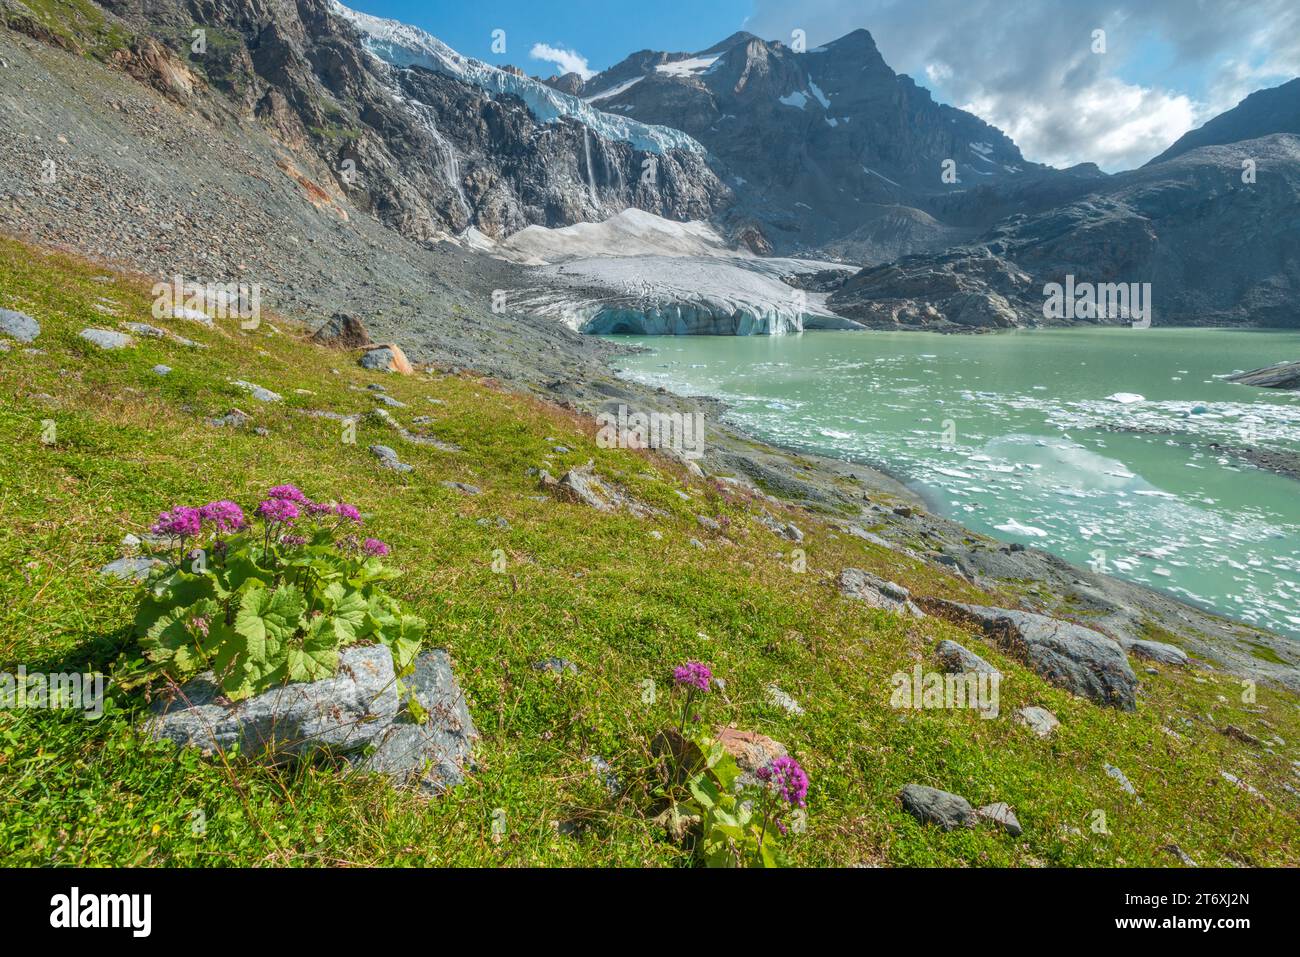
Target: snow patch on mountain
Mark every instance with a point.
(401, 45)
(633, 232)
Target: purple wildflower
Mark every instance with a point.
(787, 777)
(182, 521)
(289, 493)
(344, 510)
(373, 546)
(294, 540)
(693, 674)
(278, 510)
(319, 508)
(225, 515)
(200, 624)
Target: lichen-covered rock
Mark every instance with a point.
(356, 714)
(1039, 720)
(1083, 661)
(1159, 651)
(878, 593)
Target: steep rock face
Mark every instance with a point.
(1275, 110)
(428, 151)
(1214, 249)
(831, 149)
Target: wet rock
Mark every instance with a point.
(355, 714)
(1039, 720)
(19, 325)
(877, 592)
(107, 338)
(958, 660)
(1083, 661)
(932, 806)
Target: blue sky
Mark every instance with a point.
(1026, 66)
(603, 32)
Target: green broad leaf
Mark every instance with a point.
(181, 587)
(317, 658)
(239, 573)
(704, 791)
(349, 616)
(267, 620)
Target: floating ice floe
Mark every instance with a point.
(1013, 527)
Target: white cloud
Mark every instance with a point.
(1028, 68)
(566, 61)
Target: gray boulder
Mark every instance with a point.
(958, 660)
(1001, 815)
(19, 325)
(1159, 651)
(357, 715)
(131, 567)
(878, 593)
(107, 338)
(932, 806)
(1083, 661)
(1039, 720)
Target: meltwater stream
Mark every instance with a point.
(1095, 444)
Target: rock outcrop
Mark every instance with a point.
(1281, 375)
(357, 715)
(1083, 661)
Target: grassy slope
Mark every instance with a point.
(596, 589)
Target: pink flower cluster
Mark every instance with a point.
(693, 674)
(283, 505)
(787, 777)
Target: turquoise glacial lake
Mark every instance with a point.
(1094, 444)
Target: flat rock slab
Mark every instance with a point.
(130, 568)
(19, 325)
(932, 806)
(1001, 815)
(356, 714)
(256, 391)
(956, 659)
(877, 592)
(107, 338)
(1083, 661)
(1159, 651)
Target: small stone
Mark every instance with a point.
(1039, 720)
(388, 458)
(19, 325)
(1245, 737)
(1179, 853)
(712, 524)
(783, 701)
(696, 543)
(561, 450)
(878, 593)
(1001, 815)
(162, 369)
(462, 487)
(256, 391)
(556, 665)
(146, 330)
(1125, 784)
(932, 806)
(107, 338)
(136, 568)
(606, 771)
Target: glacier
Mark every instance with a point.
(401, 45)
